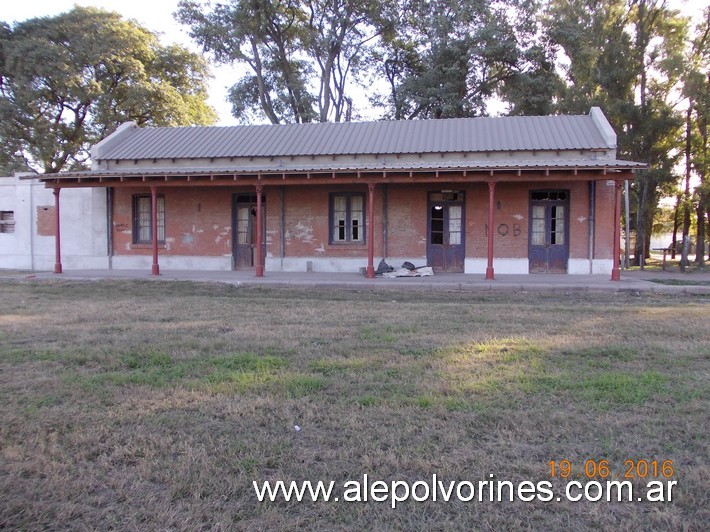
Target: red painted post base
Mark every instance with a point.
(489, 274)
(616, 274)
(57, 267)
(370, 272)
(155, 269)
(259, 270)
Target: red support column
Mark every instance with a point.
(491, 206)
(370, 274)
(616, 249)
(259, 251)
(57, 237)
(155, 269)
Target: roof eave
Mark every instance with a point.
(606, 168)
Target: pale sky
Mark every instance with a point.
(157, 16)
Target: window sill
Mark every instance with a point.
(147, 246)
(352, 244)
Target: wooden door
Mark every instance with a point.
(446, 231)
(549, 231)
(244, 230)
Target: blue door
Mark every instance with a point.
(446, 231)
(549, 234)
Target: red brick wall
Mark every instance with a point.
(306, 222)
(510, 236)
(604, 236)
(512, 219)
(46, 220)
(199, 221)
(407, 220)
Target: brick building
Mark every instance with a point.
(479, 196)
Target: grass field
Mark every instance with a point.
(156, 405)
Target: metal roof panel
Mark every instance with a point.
(523, 133)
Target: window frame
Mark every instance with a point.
(348, 241)
(7, 222)
(136, 224)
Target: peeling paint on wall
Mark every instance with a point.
(518, 216)
(321, 249)
(223, 236)
(187, 238)
(581, 219)
(303, 231)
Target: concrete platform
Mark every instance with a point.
(631, 281)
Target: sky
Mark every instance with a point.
(157, 16)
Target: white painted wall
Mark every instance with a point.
(172, 262)
(82, 219)
(500, 266)
(334, 264)
(582, 266)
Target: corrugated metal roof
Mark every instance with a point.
(520, 133)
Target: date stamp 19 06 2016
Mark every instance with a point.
(632, 469)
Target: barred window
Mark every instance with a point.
(347, 217)
(142, 219)
(7, 221)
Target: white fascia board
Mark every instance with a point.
(604, 127)
(98, 147)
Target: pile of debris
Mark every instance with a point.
(406, 270)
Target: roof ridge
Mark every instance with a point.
(368, 122)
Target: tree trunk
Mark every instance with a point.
(264, 97)
(686, 196)
(700, 239)
(643, 224)
(674, 241)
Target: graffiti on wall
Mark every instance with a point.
(512, 230)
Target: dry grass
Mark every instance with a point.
(154, 405)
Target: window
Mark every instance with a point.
(549, 195)
(538, 225)
(7, 221)
(142, 223)
(347, 217)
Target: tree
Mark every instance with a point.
(627, 57)
(697, 90)
(300, 54)
(450, 57)
(68, 81)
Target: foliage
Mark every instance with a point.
(697, 90)
(417, 58)
(300, 54)
(68, 81)
(449, 58)
(627, 56)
